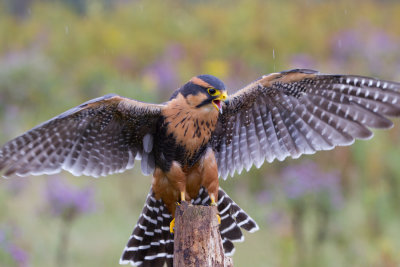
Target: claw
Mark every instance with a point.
(213, 203)
(172, 225)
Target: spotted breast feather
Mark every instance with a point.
(184, 132)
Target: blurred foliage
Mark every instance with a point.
(56, 54)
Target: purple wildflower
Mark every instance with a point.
(16, 253)
(345, 44)
(67, 201)
(17, 186)
(163, 71)
(307, 178)
(2, 236)
(264, 196)
(302, 61)
(376, 48)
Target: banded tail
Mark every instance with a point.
(151, 243)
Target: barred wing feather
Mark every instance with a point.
(300, 112)
(97, 138)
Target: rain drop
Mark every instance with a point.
(273, 57)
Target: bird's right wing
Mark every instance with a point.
(299, 112)
(97, 138)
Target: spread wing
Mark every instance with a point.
(97, 138)
(299, 112)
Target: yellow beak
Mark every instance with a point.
(217, 102)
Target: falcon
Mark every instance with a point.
(199, 135)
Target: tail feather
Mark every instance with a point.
(151, 243)
(232, 219)
(229, 247)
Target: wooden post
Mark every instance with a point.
(197, 239)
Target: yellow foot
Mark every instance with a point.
(172, 225)
(213, 203)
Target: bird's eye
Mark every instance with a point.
(212, 91)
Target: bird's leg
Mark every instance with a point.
(163, 189)
(213, 203)
(177, 179)
(210, 178)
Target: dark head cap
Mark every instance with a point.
(208, 81)
(199, 84)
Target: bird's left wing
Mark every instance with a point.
(299, 112)
(97, 138)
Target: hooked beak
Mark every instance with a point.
(217, 102)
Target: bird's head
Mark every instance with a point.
(204, 91)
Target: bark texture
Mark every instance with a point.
(197, 239)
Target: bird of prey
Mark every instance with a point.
(201, 134)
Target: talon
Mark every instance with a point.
(219, 219)
(172, 225)
(213, 203)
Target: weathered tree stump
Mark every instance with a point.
(197, 239)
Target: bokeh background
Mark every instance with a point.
(334, 208)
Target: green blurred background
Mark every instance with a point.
(335, 208)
